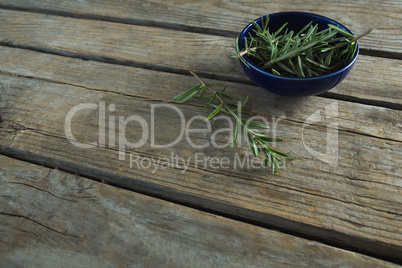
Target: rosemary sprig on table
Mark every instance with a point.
(306, 53)
(222, 101)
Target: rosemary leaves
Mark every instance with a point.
(253, 132)
(308, 52)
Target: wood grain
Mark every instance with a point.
(366, 120)
(373, 79)
(359, 16)
(357, 203)
(55, 219)
(143, 45)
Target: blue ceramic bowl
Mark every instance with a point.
(294, 86)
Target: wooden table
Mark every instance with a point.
(87, 111)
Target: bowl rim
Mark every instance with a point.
(256, 68)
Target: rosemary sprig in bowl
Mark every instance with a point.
(305, 53)
(296, 53)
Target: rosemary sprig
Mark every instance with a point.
(254, 132)
(306, 53)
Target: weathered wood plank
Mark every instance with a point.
(50, 218)
(133, 81)
(357, 202)
(373, 79)
(144, 45)
(384, 16)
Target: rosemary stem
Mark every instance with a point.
(354, 39)
(362, 35)
(224, 104)
(256, 139)
(219, 98)
(246, 51)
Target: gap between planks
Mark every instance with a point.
(366, 83)
(176, 70)
(168, 229)
(275, 223)
(138, 22)
(170, 26)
